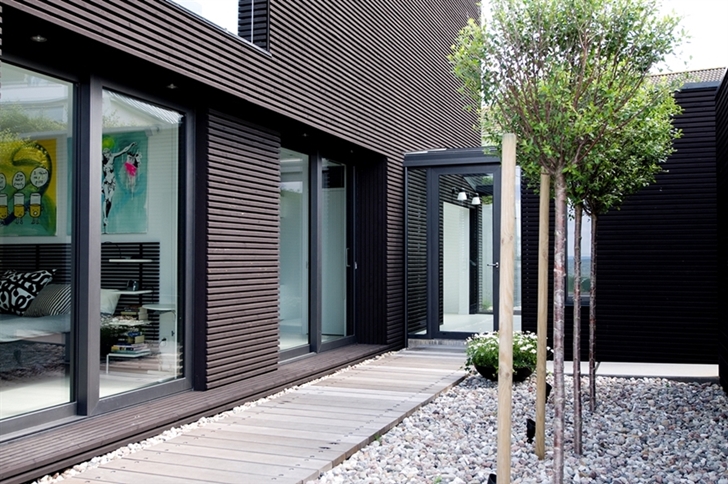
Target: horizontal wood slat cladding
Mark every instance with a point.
(242, 250)
(657, 297)
(722, 161)
(371, 73)
(657, 256)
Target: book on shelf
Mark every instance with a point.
(135, 348)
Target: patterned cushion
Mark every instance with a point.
(53, 299)
(18, 289)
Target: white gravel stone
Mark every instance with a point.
(643, 431)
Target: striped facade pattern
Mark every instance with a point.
(722, 159)
(372, 77)
(416, 250)
(336, 67)
(242, 250)
(656, 259)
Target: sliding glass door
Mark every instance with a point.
(294, 207)
(334, 250)
(316, 254)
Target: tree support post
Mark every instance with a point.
(542, 318)
(505, 314)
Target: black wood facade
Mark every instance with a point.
(332, 78)
(657, 257)
(721, 117)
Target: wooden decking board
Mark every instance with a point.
(307, 422)
(318, 425)
(398, 386)
(321, 415)
(192, 462)
(183, 452)
(276, 449)
(292, 438)
(284, 434)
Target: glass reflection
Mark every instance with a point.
(141, 338)
(294, 196)
(36, 186)
(334, 248)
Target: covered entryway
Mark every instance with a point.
(452, 257)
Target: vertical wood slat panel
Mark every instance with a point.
(416, 250)
(242, 250)
(722, 161)
(657, 297)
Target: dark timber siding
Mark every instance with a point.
(370, 76)
(722, 158)
(657, 256)
(371, 73)
(242, 250)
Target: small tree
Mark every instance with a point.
(602, 185)
(563, 76)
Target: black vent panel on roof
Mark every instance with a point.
(253, 22)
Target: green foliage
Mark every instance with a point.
(13, 117)
(570, 79)
(483, 350)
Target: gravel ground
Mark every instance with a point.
(643, 431)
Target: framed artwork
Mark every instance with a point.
(28, 197)
(124, 183)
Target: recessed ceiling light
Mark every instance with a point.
(171, 86)
(38, 38)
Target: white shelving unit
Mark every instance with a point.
(168, 347)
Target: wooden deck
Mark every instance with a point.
(295, 437)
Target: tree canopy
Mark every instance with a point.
(570, 78)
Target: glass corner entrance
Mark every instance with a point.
(452, 251)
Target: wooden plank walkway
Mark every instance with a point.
(293, 438)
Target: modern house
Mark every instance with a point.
(201, 207)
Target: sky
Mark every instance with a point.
(706, 21)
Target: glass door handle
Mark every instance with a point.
(494, 265)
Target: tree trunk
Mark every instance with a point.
(577, 329)
(593, 317)
(559, 283)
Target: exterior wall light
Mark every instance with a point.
(476, 200)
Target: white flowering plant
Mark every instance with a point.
(482, 350)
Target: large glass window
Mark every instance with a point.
(36, 190)
(294, 197)
(140, 330)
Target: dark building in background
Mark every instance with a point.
(721, 118)
(251, 208)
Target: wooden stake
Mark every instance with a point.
(542, 321)
(505, 313)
